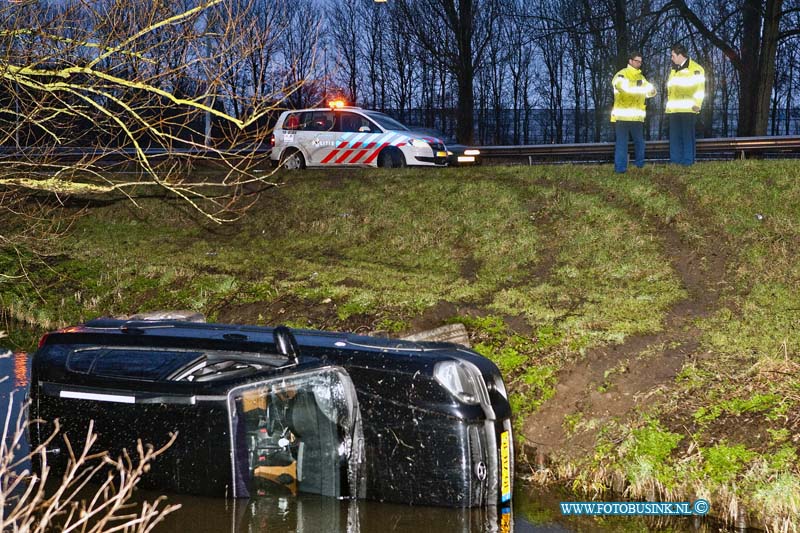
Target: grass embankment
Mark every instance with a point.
(648, 325)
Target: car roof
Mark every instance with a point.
(313, 347)
(345, 108)
(256, 335)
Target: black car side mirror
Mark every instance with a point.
(286, 344)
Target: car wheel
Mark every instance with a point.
(294, 161)
(391, 158)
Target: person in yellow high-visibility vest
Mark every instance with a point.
(686, 88)
(630, 91)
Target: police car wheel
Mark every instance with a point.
(391, 158)
(294, 161)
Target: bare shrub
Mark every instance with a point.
(93, 495)
(117, 98)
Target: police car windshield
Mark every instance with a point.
(385, 121)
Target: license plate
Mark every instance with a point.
(441, 154)
(505, 520)
(505, 462)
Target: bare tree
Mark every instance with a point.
(469, 24)
(376, 18)
(299, 53)
(252, 74)
(345, 22)
(758, 28)
(38, 503)
(520, 58)
(96, 76)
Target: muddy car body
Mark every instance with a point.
(258, 410)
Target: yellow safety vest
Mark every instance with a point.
(686, 88)
(630, 91)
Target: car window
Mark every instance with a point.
(160, 364)
(296, 434)
(129, 363)
(318, 121)
(352, 122)
(385, 121)
(292, 122)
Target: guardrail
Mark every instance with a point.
(707, 149)
(65, 154)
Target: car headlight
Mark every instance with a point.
(418, 143)
(472, 151)
(500, 387)
(459, 381)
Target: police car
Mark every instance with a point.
(350, 136)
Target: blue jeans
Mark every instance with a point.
(636, 131)
(682, 138)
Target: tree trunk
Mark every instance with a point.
(766, 64)
(466, 75)
(622, 33)
(465, 121)
(757, 74)
(725, 98)
(789, 96)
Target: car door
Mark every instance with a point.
(356, 137)
(320, 136)
(297, 433)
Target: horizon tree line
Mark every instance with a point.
(490, 68)
(487, 71)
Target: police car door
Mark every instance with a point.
(356, 136)
(320, 136)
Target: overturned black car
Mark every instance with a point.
(259, 410)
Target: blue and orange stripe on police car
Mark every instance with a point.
(361, 154)
(349, 143)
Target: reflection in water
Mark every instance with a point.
(21, 370)
(311, 514)
(14, 377)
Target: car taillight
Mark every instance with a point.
(272, 140)
(43, 339)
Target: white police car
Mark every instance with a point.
(350, 136)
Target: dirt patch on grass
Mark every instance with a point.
(300, 312)
(434, 317)
(469, 268)
(297, 312)
(613, 382)
(748, 429)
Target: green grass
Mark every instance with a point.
(646, 453)
(542, 265)
(737, 406)
(373, 243)
(722, 462)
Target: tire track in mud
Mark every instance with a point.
(608, 382)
